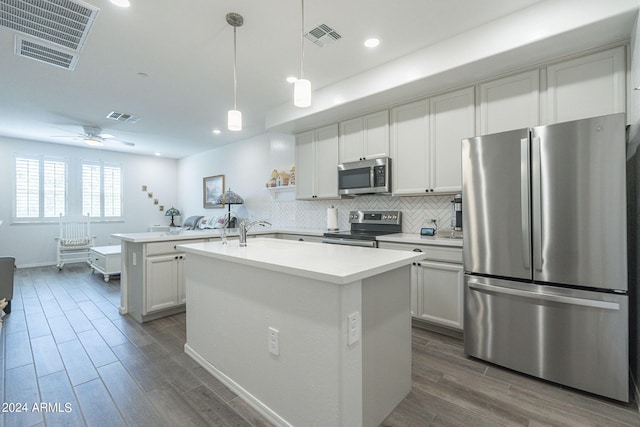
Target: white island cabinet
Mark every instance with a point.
(308, 334)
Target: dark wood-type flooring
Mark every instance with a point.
(66, 345)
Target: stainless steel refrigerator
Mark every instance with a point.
(545, 253)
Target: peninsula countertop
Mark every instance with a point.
(161, 236)
(330, 263)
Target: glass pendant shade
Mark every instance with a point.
(302, 93)
(234, 120)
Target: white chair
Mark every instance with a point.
(75, 241)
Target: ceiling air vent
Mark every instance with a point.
(61, 22)
(123, 117)
(322, 35)
(46, 54)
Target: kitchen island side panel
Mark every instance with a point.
(317, 379)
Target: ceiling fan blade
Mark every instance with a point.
(119, 141)
(67, 130)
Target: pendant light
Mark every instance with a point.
(234, 117)
(302, 86)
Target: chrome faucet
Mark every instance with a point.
(244, 227)
(225, 222)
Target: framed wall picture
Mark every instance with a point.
(212, 187)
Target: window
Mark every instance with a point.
(41, 186)
(101, 190)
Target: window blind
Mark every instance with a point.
(27, 187)
(91, 189)
(101, 190)
(40, 191)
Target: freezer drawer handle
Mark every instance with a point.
(545, 297)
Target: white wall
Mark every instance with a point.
(246, 166)
(34, 244)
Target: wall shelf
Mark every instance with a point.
(283, 189)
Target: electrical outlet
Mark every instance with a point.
(353, 335)
(274, 344)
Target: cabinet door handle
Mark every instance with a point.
(417, 250)
(174, 246)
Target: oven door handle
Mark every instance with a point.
(349, 242)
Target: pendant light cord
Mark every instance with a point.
(302, 42)
(235, 77)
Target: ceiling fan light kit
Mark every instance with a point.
(93, 141)
(234, 117)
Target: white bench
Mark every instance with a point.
(105, 260)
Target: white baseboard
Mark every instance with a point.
(254, 402)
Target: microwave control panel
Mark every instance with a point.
(379, 176)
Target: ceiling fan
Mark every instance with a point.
(94, 136)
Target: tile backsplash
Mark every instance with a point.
(417, 211)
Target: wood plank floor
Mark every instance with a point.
(66, 345)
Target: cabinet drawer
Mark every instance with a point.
(434, 253)
(157, 248)
(98, 260)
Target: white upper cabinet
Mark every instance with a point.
(510, 103)
(317, 163)
(410, 148)
(425, 143)
(589, 86)
(364, 137)
(305, 165)
(452, 119)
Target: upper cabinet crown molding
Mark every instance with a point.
(589, 86)
(364, 137)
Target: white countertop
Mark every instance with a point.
(161, 236)
(330, 263)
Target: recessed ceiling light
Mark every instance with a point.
(121, 3)
(217, 131)
(157, 154)
(372, 42)
(292, 79)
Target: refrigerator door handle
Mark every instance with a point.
(476, 285)
(536, 169)
(524, 202)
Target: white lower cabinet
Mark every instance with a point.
(436, 284)
(156, 278)
(166, 279)
(439, 288)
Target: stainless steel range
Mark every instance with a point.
(365, 227)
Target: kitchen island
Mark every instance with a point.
(308, 334)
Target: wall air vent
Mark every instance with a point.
(322, 35)
(61, 22)
(123, 117)
(46, 54)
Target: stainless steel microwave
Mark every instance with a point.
(372, 176)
